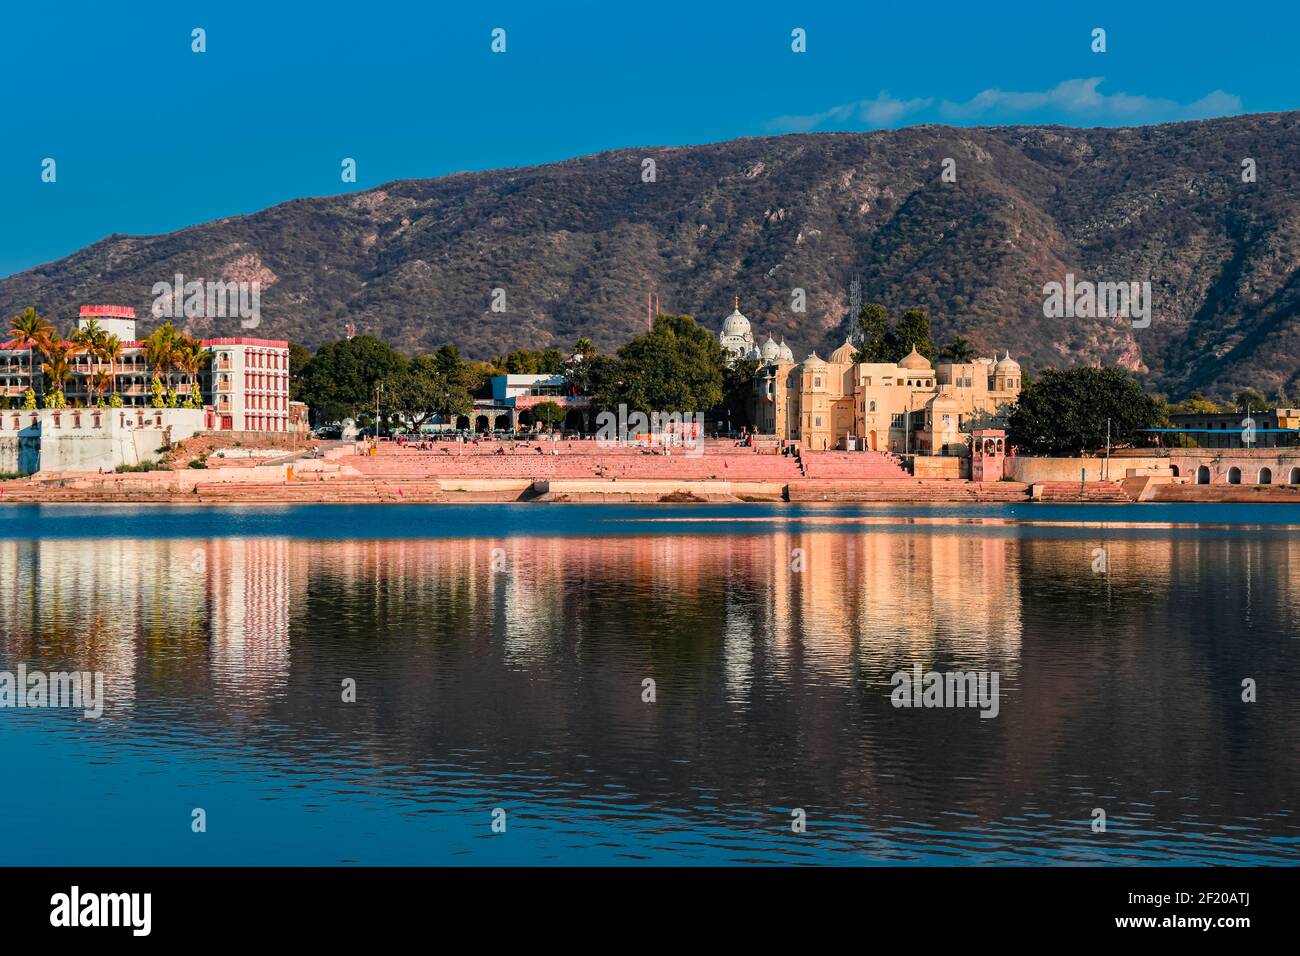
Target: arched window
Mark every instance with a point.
(1265, 476)
(1234, 475)
(1174, 470)
(871, 407)
(1295, 476)
(1203, 475)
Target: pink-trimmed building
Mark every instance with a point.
(244, 388)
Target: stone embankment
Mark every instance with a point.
(582, 471)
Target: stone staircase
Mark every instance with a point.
(853, 465)
(1098, 491)
(909, 490)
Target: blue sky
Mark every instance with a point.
(149, 137)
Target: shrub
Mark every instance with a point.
(148, 464)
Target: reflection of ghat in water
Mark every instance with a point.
(838, 520)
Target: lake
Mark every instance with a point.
(501, 657)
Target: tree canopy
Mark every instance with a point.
(1066, 412)
(676, 367)
(341, 377)
(878, 342)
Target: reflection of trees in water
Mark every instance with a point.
(1162, 639)
(772, 682)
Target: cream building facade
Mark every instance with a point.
(904, 407)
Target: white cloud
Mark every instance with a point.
(1073, 99)
(1081, 99)
(883, 110)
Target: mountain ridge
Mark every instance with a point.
(577, 243)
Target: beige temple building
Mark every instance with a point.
(908, 407)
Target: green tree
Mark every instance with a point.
(677, 367)
(912, 330)
(601, 377)
(31, 331)
(873, 331)
(1066, 412)
(548, 413)
(523, 362)
(299, 360)
(1196, 404)
(551, 362)
(1249, 399)
(421, 390)
(341, 378)
(160, 351)
(738, 393)
(57, 368)
(958, 351)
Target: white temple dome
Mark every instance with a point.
(735, 324)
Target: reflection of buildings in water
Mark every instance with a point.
(247, 582)
(887, 595)
(82, 605)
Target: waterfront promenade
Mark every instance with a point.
(584, 472)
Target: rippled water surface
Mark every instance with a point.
(499, 655)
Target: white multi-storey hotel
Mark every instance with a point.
(244, 388)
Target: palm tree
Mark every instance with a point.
(112, 351)
(188, 359)
(30, 331)
(90, 339)
(99, 384)
(959, 351)
(160, 349)
(57, 367)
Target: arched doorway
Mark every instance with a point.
(1234, 475)
(1295, 476)
(1203, 475)
(1265, 476)
(481, 424)
(1174, 470)
(462, 423)
(873, 442)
